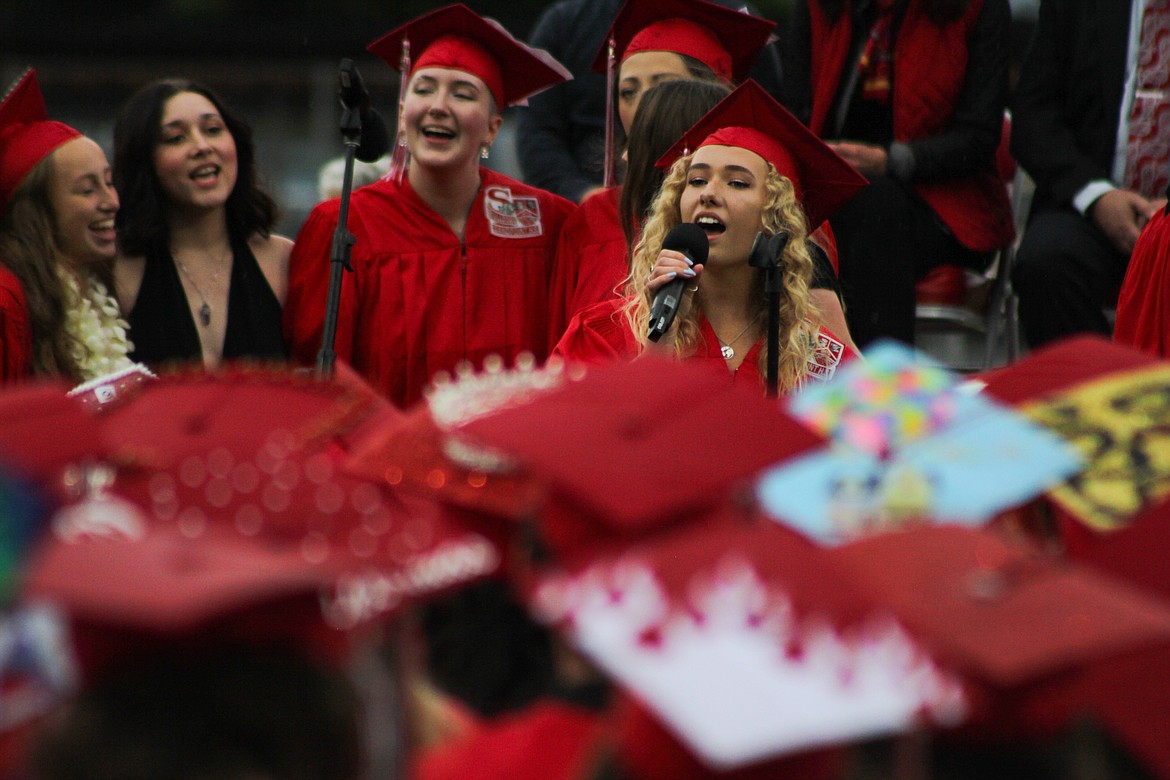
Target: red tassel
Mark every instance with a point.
(400, 158)
(610, 173)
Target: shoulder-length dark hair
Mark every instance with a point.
(666, 112)
(142, 228)
(939, 11)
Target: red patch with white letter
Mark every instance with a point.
(510, 217)
(826, 356)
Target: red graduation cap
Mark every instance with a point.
(27, 414)
(229, 495)
(747, 643)
(412, 454)
(724, 40)
(1051, 642)
(1062, 365)
(996, 611)
(751, 119)
(154, 577)
(609, 447)
(27, 135)
(457, 37)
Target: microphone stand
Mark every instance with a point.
(765, 255)
(343, 241)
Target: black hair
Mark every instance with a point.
(142, 227)
(484, 649)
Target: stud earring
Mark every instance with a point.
(402, 140)
(484, 152)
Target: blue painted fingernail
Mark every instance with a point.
(688, 272)
(670, 275)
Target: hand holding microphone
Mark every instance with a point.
(689, 241)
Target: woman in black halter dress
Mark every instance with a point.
(200, 275)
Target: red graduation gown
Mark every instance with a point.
(600, 334)
(15, 329)
(1143, 307)
(548, 740)
(591, 260)
(419, 300)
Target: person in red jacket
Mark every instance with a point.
(912, 94)
(1143, 307)
(748, 167)
(451, 260)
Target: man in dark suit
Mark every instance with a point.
(1071, 118)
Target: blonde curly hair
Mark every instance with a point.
(799, 321)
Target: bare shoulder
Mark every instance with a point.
(272, 254)
(128, 272)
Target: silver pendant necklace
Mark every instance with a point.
(725, 346)
(205, 308)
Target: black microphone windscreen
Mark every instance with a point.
(690, 239)
(352, 91)
(375, 137)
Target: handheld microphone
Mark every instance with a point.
(375, 137)
(691, 240)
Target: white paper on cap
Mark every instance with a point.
(725, 683)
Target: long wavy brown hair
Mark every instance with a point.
(799, 321)
(31, 249)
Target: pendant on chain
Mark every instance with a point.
(728, 352)
(205, 314)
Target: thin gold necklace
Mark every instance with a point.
(205, 309)
(725, 346)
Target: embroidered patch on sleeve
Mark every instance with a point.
(826, 356)
(511, 217)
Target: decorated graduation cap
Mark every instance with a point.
(745, 643)
(458, 38)
(27, 135)
(225, 497)
(724, 40)
(1110, 401)
(749, 118)
(417, 453)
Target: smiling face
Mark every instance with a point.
(447, 117)
(195, 158)
(639, 72)
(84, 202)
(725, 194)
